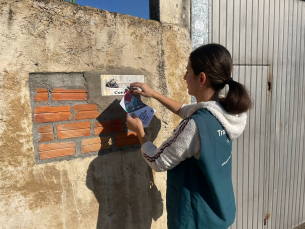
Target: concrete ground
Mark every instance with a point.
(302, 226)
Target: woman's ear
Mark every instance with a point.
(202, 78)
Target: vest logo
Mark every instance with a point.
(221, 132)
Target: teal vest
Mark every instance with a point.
(200, 192)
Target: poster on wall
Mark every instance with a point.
(132, 105)
(117, 84)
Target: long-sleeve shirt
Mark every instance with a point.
(185, 140)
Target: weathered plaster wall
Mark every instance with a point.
(171, 11)
(118, 189)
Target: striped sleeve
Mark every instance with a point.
(183, 143)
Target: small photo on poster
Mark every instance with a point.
(132, 105)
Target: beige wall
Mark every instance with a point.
(117, 190)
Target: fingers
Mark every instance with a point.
(133, 116)
(128, 119)
(136, 84)
(133, 123)
(136, 92)
(133, 88)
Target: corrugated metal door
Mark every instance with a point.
(267, 43)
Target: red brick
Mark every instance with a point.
(126, 142)
(64, 90)
(39, 90)
(44, 96)
(98, 140)
(73, 133)
(85, 107)
(95, 147)
(57, 153)
(96, 144)
(45, 129)
(126, 135)
(46, 133)
(52, 117)
(69, 96)
(109, 123)
(125, 139)
(47, 109)
(91, 148)
(73, 126)
(46, 137)
(108, 129)
(86, 115)
(55, 146)
(112, 126)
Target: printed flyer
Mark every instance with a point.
(118, 84)
(131, 105)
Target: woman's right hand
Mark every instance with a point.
(170, 104)
(146, 90)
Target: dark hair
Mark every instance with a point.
(215, 62)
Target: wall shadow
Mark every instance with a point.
(123, 183)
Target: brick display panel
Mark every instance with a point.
(71, 127)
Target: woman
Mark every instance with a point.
(198, 154)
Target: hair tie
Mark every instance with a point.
(229, 80)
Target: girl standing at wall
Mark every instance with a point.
(198, 153)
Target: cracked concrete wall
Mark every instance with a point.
(116, 190)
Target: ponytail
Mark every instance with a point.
(237, 100)
(216, 62)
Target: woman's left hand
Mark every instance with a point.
(134, 123)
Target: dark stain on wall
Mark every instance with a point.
(10, 17)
